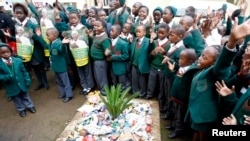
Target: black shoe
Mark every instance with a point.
(38, 87)
(10, 99)
(169, 127)
(174, 134)
(46, 86)
(22, 113)
(167, 115)
(67, 99)
(85, 91)
(32, 109)
(164, 109)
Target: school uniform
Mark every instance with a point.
(100, 44)
(188, 40)
(204, 102)
(120, 57)
(16, 81)
(139, 59)
(156, 73)
(59, 66)
(38, 56)
(145, 23)
(173, 52)
(115, 17)
(198, 45)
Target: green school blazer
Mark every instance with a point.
(120, 57)
(198, 45)
(242, 107)
(58, 56)
(204, 100)
(17, 81)
(143, 62)
(188, 40)
(38, 51)
(113, 18)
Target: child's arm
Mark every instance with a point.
(231, 120)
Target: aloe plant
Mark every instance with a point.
(116, 101)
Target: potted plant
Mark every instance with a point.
(116, 100)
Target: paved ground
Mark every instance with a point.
(51, 118)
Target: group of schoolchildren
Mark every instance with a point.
(190, 65)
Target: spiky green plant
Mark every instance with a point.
(116, 101)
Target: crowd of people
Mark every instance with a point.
(198, 67)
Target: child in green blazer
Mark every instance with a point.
(176, 35)
(139, 60)
(214, 65)
(16, 80)
(119, 58)
(156, 73)
(59, 64)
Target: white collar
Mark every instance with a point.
(171, 23)
(145, 21)
(23, 23)
(100, 34)
(118, 10)
(114, 41)
(179, 44)
(77, 27)
(5, 60)
(140, 40)
(161, 42)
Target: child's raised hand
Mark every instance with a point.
(160, 50)
(90, 32)
(165, 60)
(171, 65)
(238, 32)
(100, 4)
(231, 120)
(222, 89)
(247, 120)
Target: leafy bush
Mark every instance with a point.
(116, 101)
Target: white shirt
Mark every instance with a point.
(162, 42)
(77, 27)
(214, 38)
(114, 41)
(176, 46)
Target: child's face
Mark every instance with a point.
(19, 13)
(184, 24)
(5, 52)
(113, 32)
(111, 6)
(157, 16)
(135, 9)
(126, 28)
(162, 33)
(51, 37)
(167, 16)
(92, 13)
(98, 28)
(207, 58)
(117, 3)
(73, 19)
(140, 32)
(174, 37)
(143, 13)
(184, 59)
(102, 15)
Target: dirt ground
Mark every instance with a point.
(51, 117)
